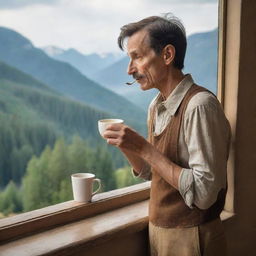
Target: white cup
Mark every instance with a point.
(82, 186)
(102, 124)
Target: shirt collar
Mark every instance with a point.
(173, 101)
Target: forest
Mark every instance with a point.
(46, 180)
(44, 138)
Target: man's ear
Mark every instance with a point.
(168, 54)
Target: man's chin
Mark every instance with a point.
(145, 87)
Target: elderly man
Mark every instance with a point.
(187, 149)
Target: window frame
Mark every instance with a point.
(63, 213)
(228, 69)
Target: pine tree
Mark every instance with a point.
(58, 168)
(65, 192)
(19, 159)
(103, 166)
(10, 199)
(36, 188)
(79, 156)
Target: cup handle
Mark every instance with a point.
(99, 183)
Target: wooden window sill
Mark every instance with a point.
(82, 234)
(85, 234)
(66, 228)
(58, 215)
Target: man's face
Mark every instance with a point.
(145, 65)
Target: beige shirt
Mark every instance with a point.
(203, 143)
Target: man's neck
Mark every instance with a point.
(174, 78)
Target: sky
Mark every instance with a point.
(94, 25)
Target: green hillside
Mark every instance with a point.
(10, 73)
(33, 116)
(30, 119)
(18, 51)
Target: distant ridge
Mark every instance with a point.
(201, 58)
(18, 51)
(13, 74)
(200, 61)
(86, 64)
(32, 116)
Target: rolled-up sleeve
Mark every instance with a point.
(207, 135)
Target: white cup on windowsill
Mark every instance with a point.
(82, 186)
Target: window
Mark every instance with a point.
(46, 136)
(70, 211)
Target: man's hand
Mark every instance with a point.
(125, 138)
(132, 144)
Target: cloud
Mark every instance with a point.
(15, 4)
(93, 26)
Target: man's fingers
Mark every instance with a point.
(110, 134)
(114, 127)
(113, 141)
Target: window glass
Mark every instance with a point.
(60, 72)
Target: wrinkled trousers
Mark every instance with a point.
(204, 240)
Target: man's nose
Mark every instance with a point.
(131, 68)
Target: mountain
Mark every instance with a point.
(200, 61)
(19, 52)
(86, 64)
(201, 58)
(36, 102)
(33, 116)
(12, 74)
(117, 81)
(52, 51)
(11, 78)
